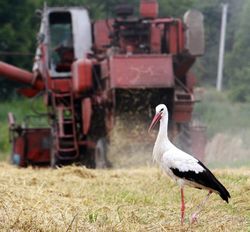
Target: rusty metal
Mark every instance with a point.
(141, 71)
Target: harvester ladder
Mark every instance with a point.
(66, 135)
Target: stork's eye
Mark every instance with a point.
(161, 110)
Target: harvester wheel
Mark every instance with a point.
(101, 149)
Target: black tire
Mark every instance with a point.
(101, 150)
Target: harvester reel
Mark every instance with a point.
(101, 161)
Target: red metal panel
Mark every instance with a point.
(102, 29)
(155, 40)
(181, 37)
(183, 106)
(82, 75)
(176, 38)
(172, 39)
(28, 92)
(149, 8)
(141, 71)
(182, 112)
(86, 115)
(18, 153)
(60, 85)
(38, 145)
(32, 147)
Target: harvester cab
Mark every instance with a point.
(64, 37)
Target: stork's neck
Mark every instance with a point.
(162, 142)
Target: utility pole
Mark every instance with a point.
(222, 47)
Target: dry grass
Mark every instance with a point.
(77, 199)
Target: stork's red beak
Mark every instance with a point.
(156, 118)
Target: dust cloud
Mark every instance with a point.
(130, 143)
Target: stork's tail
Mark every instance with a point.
(224, 194)
(213, 183)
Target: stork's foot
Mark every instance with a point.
(194, 218)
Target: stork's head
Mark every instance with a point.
(160, 112)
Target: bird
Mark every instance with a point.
(185, 169)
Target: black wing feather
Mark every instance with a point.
(205, 178)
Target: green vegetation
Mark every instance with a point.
(237, 62)
(221, 115)
(78, 199)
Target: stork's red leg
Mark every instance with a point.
(182, 206)
(199, 208)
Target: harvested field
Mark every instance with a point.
(143, 199)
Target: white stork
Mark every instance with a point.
(182, 167)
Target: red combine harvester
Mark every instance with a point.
(89, 71)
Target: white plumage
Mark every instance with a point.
(182, 167)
